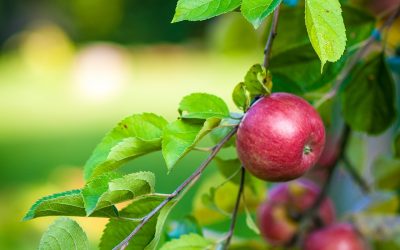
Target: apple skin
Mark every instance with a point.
(286, 201)
(330, 153)
(274, 135)
(339, 236)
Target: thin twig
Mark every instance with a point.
(235, 210)
(355, 59)
(356, 176)
(308, 217)
(173, 195)
(271, 37)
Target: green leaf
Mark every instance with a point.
(240, 96)
(396, 145)
(180, 137)
(255, 11)
(189, 242)
(326, 29)
(216, 198)
(381, 203)
(203, 106)
(224, 128)
(368, 100)
(109, 189)
(228, 168)
(386, 172)
(249, 220)
(295, 67)
(148, 237)
(257, 81)
(64, 233)
(69, 203)
(134, 136)
(203, 9)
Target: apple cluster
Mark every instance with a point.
(281, 137)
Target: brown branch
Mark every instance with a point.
(363, 184)
(191, 179)
(271, 37)
(235, 210)
(356, 58)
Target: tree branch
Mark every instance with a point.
(356, 176)
(235, 210)
(173, 195)
(271, 37)
(356, 58)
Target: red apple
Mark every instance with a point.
(285, 203)
(340, 236)
(328, 158)
(280, 137)
(330, 153)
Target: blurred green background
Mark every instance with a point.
(70, 70)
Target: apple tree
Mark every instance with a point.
(323, 91)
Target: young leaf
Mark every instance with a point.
(147, 238)
(64, 233)
(386, 172)
(203, 9)
(255, 11)
(69, 203)
(189, 242)
(109, 189)
(203, 106)
(326, 29)
(180, 137)
(134, 136)
(368, 101)
(216, 198)
(257, 81)
(240, 96)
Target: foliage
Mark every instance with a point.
(308, 58)
(64, 233)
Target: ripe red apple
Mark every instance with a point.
(331, 151)
(280, 137)
(285, 203)
(340, 236)
(328, 158)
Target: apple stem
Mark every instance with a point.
(235, 211)
(307, 149)
(187, 183)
